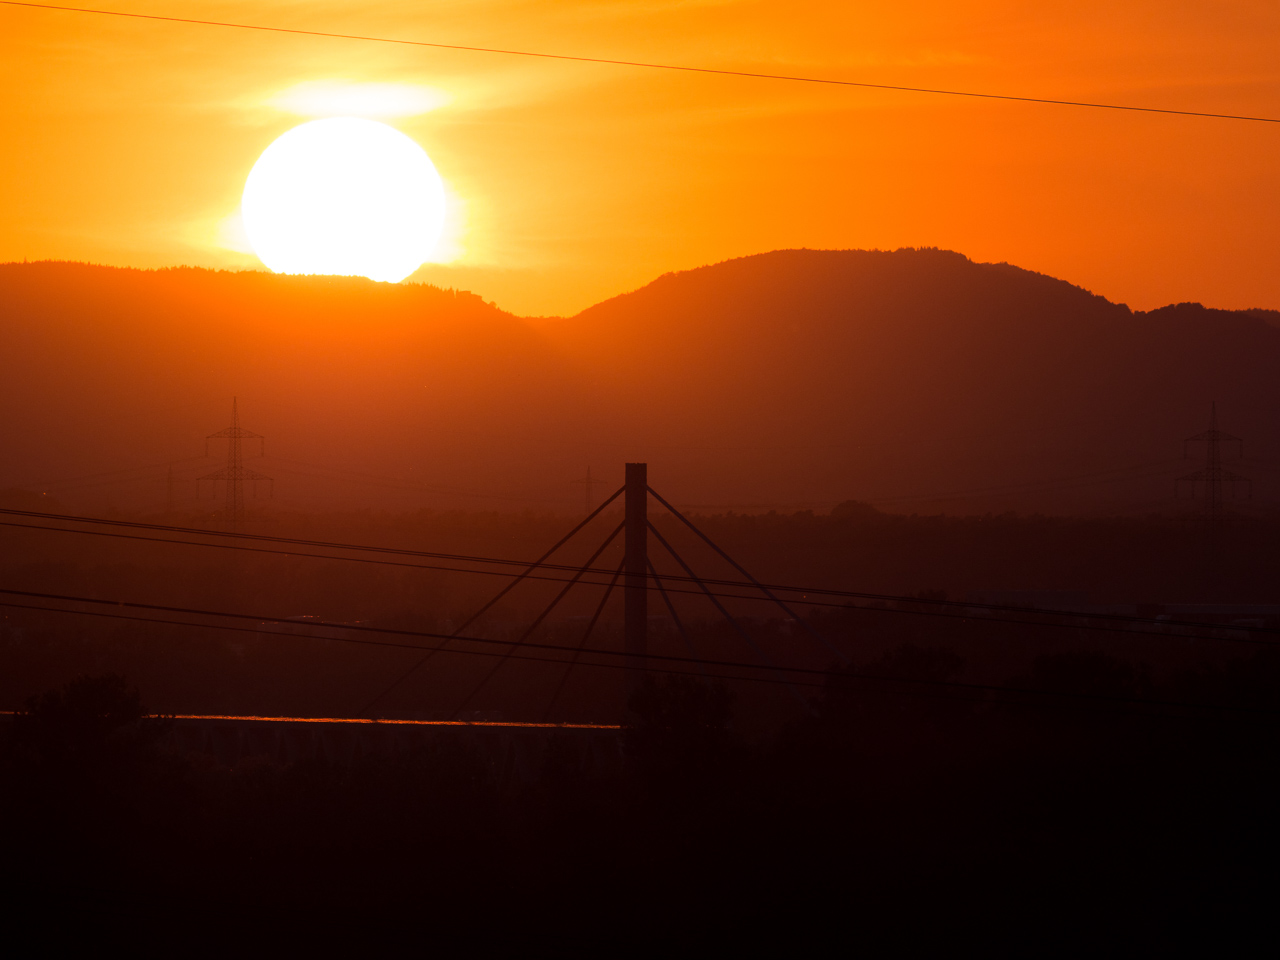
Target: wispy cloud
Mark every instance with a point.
(341, 98)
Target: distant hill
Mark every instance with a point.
(914, 380)
(108, 370)
(918, 378)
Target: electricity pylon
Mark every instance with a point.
(588, 488)
(234, 474)
(1214, 477)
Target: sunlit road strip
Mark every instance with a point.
(412, 723)
(383, 723)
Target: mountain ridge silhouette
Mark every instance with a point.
(915, 379)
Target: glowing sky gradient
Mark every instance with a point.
(128, 142)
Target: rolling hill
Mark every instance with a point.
(914, 379)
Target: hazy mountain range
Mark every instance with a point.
(914, 379)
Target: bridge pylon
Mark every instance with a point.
(635, 616)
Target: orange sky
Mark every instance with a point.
(128, 142)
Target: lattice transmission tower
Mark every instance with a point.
(235, 473)
(1214, 479)
(589, 489)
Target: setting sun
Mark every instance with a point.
(344, 195)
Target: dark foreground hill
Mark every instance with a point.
(915, 379)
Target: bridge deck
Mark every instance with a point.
(513, 750)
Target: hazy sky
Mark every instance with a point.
(128, 142)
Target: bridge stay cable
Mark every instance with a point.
(536, 623)
(675, 617)
(733, 622)
(501, 593)
(581, 644)
(841, 658)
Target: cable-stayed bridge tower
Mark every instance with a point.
(235, 473)
(638, 577)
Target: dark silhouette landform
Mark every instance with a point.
(915, 380)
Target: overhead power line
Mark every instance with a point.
(652, 66)
(289, 554)
(797, 675)
(290, 541)
(914, 606)
(962, 611)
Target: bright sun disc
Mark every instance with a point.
(344, 196)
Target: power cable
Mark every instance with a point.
(293, 541)
(796, 679)
(379, 643)
(964, 609)
(292, 554)
(651, 66)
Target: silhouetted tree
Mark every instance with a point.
(76, 725)
(855, 510)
